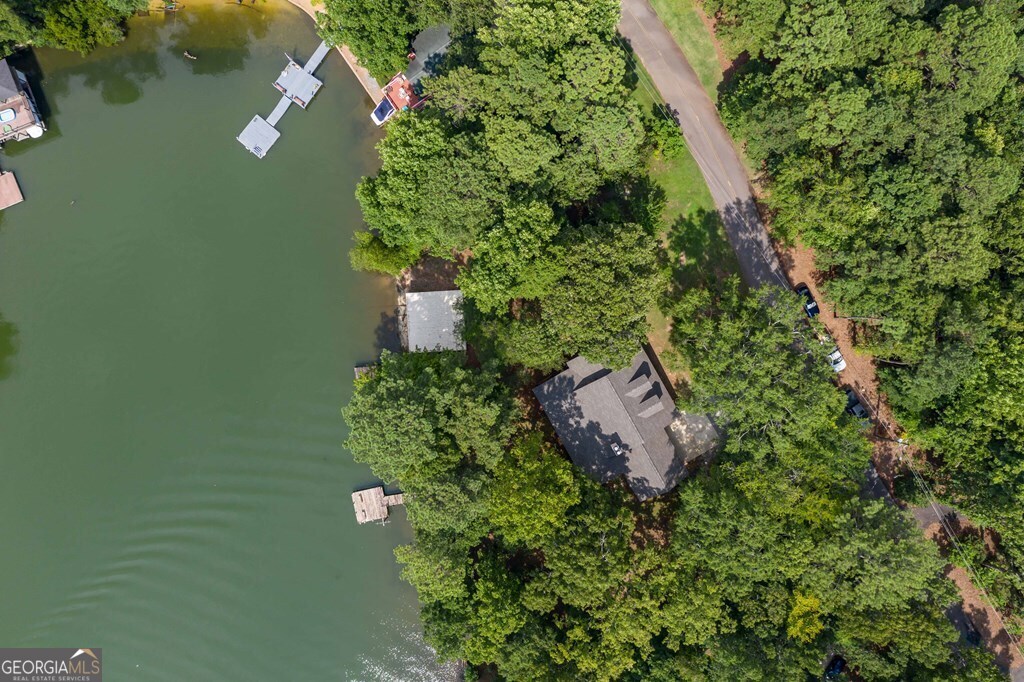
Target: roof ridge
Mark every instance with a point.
(629, 415)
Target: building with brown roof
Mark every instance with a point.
(19, 116)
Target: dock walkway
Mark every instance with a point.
(297, 86)
(278, 112)
(318, 56)
(370, 85)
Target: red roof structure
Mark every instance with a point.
(399, 95)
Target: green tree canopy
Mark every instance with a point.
(888, 133)
(80, 25)
(379, 32)
(598, 308)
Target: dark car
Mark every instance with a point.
(853, 405)
(835, 668)
(810, 305)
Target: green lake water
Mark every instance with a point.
(178, 327)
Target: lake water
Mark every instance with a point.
(179, 326)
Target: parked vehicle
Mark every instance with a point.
(383, 112)
(835, 358)
(835, 668)
(854, 406)
(810, 305)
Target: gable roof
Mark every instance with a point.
(8, 83)
(619, 423)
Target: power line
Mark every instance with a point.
(662, 109)
(975, 578)
(644, 80)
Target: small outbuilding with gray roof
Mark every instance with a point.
(624, 423)
(432, 320)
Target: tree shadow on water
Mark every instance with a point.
(388, 333)
(8, 347)
(220, 44)
(117, 73)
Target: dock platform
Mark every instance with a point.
(372, 504)
(297, 85)
(10, 192)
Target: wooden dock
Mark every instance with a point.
(372, 504)
(364, 370)
(10, 192)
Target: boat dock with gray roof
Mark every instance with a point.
(297, 85)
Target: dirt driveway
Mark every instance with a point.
(860, 375)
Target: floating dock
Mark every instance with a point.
(363, 370)
(10, 192)
(372, 504)
(297, 85)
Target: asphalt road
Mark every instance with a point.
(707, 139)
(726, 177)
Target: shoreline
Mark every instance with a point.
(370, 85)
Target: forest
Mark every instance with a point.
(530, 167)
(889, 134)
(79, 25)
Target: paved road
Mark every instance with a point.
(726, 177)
(707, 139)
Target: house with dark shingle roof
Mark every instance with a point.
(624, 423)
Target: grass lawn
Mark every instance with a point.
(692, 232)
(682, 20)
(692, 235)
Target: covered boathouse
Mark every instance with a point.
(19, 115)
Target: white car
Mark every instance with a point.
(835, 358)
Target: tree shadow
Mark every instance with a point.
(755, 253)
(388, 333)
(989, 629)
(741, 66)
(125, 68)
(700, 253)
(734, 69)
(632, 77)
(223, 49)
(8, 347)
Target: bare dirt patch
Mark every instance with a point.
(430, 274)
(889, 455)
